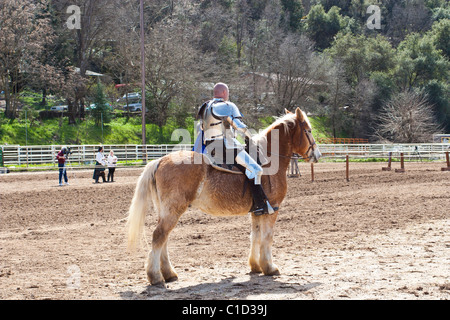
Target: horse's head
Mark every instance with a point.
(302, 139)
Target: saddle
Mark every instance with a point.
(234, 167)
(229, 168)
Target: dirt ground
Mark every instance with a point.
(381, 235)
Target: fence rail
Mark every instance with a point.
(84, 155)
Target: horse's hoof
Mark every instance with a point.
(272, 272)
(156, 281)
(172, 279)
(255, 270)
(160, 284)
(276, 272)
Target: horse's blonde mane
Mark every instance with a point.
(283, 121)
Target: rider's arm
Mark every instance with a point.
(239, 126)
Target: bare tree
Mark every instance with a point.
(408, 16)
(360, 103)
(338, 94)
(295, 72)
(407, 118)
(241, 21)
(171, 70)
(99, 21)
(24, 31)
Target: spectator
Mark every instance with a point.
(100, 164)
(61, 156)
(112, 162)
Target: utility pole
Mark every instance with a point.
(144, 143)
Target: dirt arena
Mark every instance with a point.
(382, 235)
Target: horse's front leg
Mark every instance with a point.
(255, 244)
(267, 223)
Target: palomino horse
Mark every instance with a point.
(175, 182)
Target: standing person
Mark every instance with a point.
(112, 162)
(61, 156)
(100, 164)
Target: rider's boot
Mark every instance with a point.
(254, 173)
(261, 204)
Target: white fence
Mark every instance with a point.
(84, 155)
(431, 151)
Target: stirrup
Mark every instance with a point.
(267, 209)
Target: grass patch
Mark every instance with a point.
(122, 130)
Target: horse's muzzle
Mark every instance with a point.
(315, 155)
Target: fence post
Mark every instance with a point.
(52, 150)
(347, 168)
(388, 168)
(448, 163)
(402, 164)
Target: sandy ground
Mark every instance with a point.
(381, 235)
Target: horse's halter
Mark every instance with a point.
(309, 137)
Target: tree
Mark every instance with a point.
(360, 108)
(438, 93)
(440, 34)
(101, 111)
(171, 72)
(292, 14)
(407, 16)
(336, 99)
(361, 55)
(295, 72)
(241, 21)
(406, 118)
(418, 62)
(24, 31)
(322, 26)
(99, 21)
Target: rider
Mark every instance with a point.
(220, 119)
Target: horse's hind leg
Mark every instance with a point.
(158, 266)
(167, 270)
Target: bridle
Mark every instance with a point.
(308, 137)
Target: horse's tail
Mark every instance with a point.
(146, 186)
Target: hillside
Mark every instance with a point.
(377, 70)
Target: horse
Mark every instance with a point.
(175, 182)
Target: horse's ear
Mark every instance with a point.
(287, 111)
(299, 114)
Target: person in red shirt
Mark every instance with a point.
(61, 156)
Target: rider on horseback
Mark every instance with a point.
(220, 119)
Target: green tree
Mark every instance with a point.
(438, 93)
(292, 14)
(322, 26)
(101, 111)
(440, 34)
(361, 55)
(419, 61)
